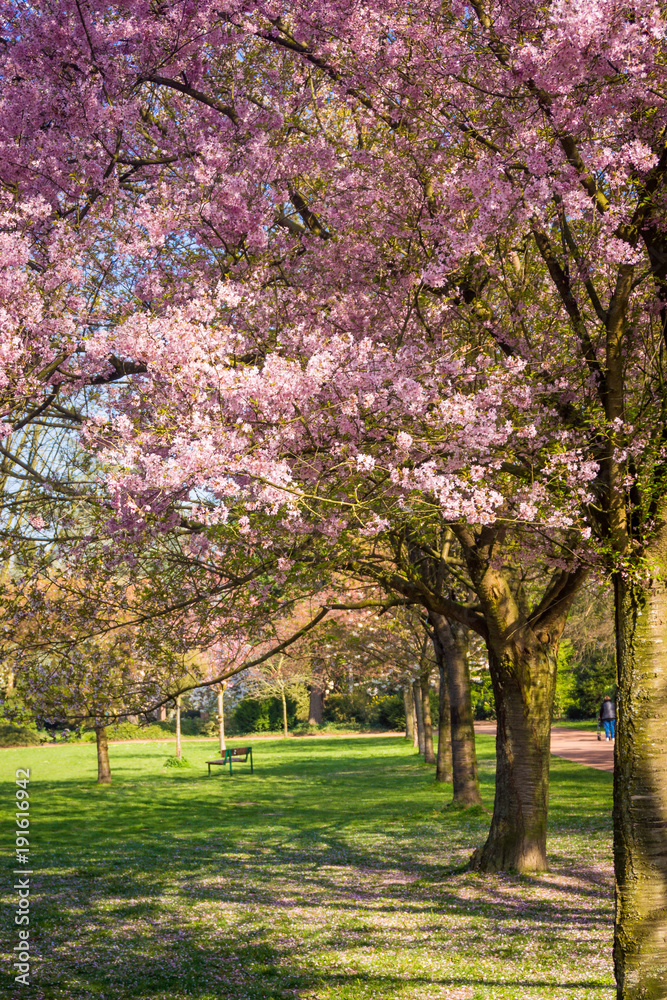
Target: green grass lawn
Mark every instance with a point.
(331, 873)
(589, 725)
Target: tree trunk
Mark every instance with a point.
(640, 786)
(425, 689)
(415, 721)
(409, 713)
(103, 768)
(162, 713)
(178, 727)
(316, 704)
(221, 718)
(524, 681)
(417, 697)
(452, 652)
(443, 768)
(284, 701)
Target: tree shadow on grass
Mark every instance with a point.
(159, 920)
(147, 953)
(181, 885)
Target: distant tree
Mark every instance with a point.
(275, 679)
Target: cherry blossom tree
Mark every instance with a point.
(386, 647)
(369, 255)
(97, 682)
(435, 378)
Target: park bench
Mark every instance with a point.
(239, 754)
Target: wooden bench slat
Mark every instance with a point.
(234, 753)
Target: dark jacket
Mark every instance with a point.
(607, 710)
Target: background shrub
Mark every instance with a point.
(130, 731)
(354, 708)
(391, 711)
(584, 678)
(483, 701)
(193, 725)
(358, 708)
(209, 727)
(18, 736)
(593, 679)
(255, 715)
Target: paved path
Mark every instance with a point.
(573, 744)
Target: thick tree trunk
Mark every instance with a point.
(103, 767)
(178, 727)
(409, 713)
(640, 766)
(221, 719)
(524, 679)
(452, 651)
(443, 768)
(425, 689)
(162, 713)
(417, 697)
(284, 702)
(640, 786)
(316, 704)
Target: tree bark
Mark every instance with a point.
(178, 727)
(415, 721)
(640, 764)
(417, 698)
(522, 643)
(316, 704)
(452, 651)
(409, 713)
(284, 702)
(221, 718)
(443, 768)
(103, 767)
(524, 681)
(425, 689)
(640, 785)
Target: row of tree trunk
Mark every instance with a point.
(456, 759)
(523, 665)
(523, 687)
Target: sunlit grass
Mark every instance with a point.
(587, 725)
(331, 873)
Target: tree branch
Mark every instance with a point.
(196, 95)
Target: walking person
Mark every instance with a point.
(607, 717)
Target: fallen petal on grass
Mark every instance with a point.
(302, 880)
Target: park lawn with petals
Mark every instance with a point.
(332, 873)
